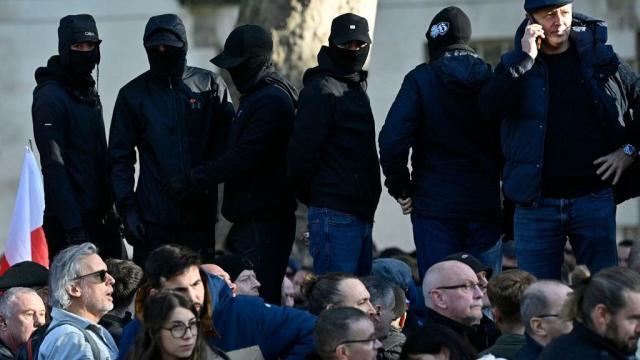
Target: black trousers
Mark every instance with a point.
(103, 233)
(199, 237)
(267, 243)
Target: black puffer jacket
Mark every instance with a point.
(175, 124)
(69, 132)
(333, 160)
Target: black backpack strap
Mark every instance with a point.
(95, 350)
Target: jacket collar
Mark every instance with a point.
(433, 316)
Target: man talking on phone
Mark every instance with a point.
(566, 101)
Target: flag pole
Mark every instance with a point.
(30, 144)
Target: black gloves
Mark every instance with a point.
(179, 188)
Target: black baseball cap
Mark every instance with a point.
(244, 42)
(349, 27)
(164, 37)
(470, 260)
(533, 5)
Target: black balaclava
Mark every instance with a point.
(349, 60)
(345, 28)
(75, 29)
(170, 62)
(250, 72)
(449, 29)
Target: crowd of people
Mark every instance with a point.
(515, 176)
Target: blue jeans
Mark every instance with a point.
(339, 242)
(436, 239)
(589, 222)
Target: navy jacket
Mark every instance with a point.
(518, 93)
(69, 132)
(246, 321)
(175, 124)
(253, 167)
(333, 160)
(455, 151)
(531, 349)
(582, 344)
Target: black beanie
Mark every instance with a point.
(533, 5)
(75, 29)
(24, 274)
(233, 265)
(450, 28)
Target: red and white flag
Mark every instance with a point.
(26, 239)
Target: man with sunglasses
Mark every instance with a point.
(453, 297)
(345, 333)
(80, 294)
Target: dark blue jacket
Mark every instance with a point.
(456, 154)
(246, 321)
(531, 349)
(253, 167)
(519, 93)
(333, 161)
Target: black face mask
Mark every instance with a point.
(83, 62)
(170, 62)
(249, 72)
(348, 60)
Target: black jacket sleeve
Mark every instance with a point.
(50, 124)
(397, 137)
(269, 120)
(123, 138)
(312, 125)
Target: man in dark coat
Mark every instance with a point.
(453, 192)
(567, 101)
(69, 132)
(333, 162)
(257, 198)
(605, 310)
(174, 115)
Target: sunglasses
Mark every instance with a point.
(100, 274)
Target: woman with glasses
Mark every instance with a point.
(171, 331)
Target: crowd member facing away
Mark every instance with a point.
(345, 333)
(541, 314)
(453, 193)
(242, 323)
(437, 342)
(505, 292)
(69, 131)
(128, 277)
(171, 331)
(173, 116)
(454, 299)
(333, 162)
(81, 294)
(605, 310)
(21, 313)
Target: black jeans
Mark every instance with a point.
(267, 243)
(103, 233)
(199, 237)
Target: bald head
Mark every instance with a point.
(451, 289)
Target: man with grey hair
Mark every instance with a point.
(21, 313)
(383, 299)
(540, 309)
(80, 294)
(453, 298)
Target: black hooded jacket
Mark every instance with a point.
(70, 135)
(175, 124)
(253, 167)
(333, 161)
(456, 156)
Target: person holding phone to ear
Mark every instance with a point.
(566, 102)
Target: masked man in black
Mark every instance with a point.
(174, 115)
(332, 155)
(69, 132)
(253, 167)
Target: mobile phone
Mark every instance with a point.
(538, 39)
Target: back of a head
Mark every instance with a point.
(608, 287)
(333, 326)
(380, 291)
(66, 266)
(505, 293)
(539, 298)
(168, 261)
(324, 290)
(128, 277)
(432, 338)
(393, 270)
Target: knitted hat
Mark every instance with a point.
(450, 28)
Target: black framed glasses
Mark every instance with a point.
(178, 331)
(100, 274)
(466, 287)
(363, 341)
(548, 316)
